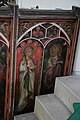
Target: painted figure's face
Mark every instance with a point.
(55, 50)
(28, 52)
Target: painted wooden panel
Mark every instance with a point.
(41, 44)
(4, 66)
(43, 53)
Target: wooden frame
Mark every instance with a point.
(8, 16)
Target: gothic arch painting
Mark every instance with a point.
(42, 49)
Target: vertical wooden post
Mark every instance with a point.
(66, 60)
(13, 63)
(72, 51)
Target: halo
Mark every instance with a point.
(27, 47)
(59, 49)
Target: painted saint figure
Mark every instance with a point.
(54, 68)
(26, 78)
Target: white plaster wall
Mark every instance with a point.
(48, 4)
(76, 68)
(52, 4)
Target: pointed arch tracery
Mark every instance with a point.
(4, 40)
(44, 33)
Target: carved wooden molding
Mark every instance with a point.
(41, 14)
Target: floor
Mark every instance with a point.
(29, 116)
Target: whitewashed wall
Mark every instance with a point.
(48, 4)
(76, 68)
(53, 4)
